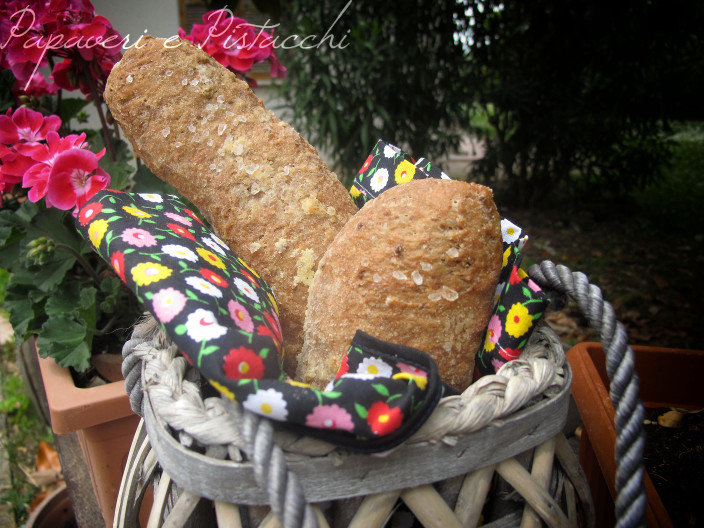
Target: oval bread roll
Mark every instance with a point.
(416, 266)
(262, 187)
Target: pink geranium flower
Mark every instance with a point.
(234, 43)
(26, 125)
(75, 178)
(45, 154)
(34, 31)
(37, 86)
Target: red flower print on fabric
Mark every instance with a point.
(515, 277)
(213, 277)
(344, 367)
(194, 216)
(271, 329)
(510, 353)
(383, 419)
(366, 164)
(243, 363)
(117, 261)
(89, 212)
(181, 231)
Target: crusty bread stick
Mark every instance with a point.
(416, 266)
(262, 187)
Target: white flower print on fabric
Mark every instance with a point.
(219, 241)
(269, 403)
(375, 368)
(179, 252)
(379, 180)
(204, 286)
(509, 231)
(201, 325)
(213, 245)
(390, 151)
(246, 289)
(150, 197)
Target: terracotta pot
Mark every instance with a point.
(55, 511)
(668, 378)
(104, 424)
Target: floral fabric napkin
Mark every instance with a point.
(224, 318)
(520, 303)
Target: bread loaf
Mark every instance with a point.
(416, 266)
(261, 186)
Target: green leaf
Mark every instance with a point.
(331, 394)
(70, 356)
(381, 389)
(65, 339)
(22, 311)
(361, 410)
(70, 108)
(145, 181)
(119, 171)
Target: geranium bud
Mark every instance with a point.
(41, 251)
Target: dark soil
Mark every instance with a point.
(674, 459)
(648, 263)
(649, 270)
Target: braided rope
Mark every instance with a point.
(631, 499)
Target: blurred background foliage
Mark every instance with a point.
(395, 70)
(575, 96)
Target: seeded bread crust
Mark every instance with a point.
(417, 266)
(261, 186)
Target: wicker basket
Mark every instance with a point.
(191, 448)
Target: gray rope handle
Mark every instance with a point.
(284, 490)
(631, 500)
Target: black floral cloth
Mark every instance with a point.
(224, 318)
(519, 302)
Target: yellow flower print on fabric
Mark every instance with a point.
(250, 269)
(97, 230)
(506, 254)
(420, 381)
(404, 172)
(136, 212)
(294, 383)
(518, 320)
(224, 390)
(355, 192)
(273, 302)
(211, 257)
(146, 273)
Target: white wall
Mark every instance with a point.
(132, 17)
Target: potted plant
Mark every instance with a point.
(61, 295)
(668, 379)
